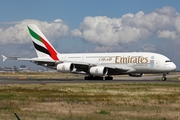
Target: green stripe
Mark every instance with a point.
(34, 35)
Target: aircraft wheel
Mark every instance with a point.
(101, 78)
(86, 78)
(163, 78)
(109, 78)
(98, 78)
(93, 78)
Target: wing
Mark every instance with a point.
(113, 69)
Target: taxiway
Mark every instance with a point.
(6, 80)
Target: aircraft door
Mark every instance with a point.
(157, 63)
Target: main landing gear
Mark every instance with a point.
(98, 78)
(164, 77)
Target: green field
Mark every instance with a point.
(91, 101)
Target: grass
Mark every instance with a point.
(39, 75)
(104, 112)
(91, 101)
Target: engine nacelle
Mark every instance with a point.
(136, 74)
(65, 67)
(98, 71)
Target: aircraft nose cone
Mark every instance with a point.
(170, 66)
(173, 66)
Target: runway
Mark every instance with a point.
(5, 80)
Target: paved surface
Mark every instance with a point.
(5, 80)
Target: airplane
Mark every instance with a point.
(96, 66)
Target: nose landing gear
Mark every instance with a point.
(164, 77)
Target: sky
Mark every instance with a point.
(83, 26)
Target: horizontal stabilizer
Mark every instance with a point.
(30, 59)
(9, 58)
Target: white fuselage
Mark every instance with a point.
(137, 61)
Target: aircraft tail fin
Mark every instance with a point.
(42, 45)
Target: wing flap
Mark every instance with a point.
(123, 68)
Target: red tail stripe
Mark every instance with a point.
(50, 49)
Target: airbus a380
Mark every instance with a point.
(96, 65)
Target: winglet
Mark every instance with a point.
(4, 58)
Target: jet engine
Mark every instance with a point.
(65, 67)
(98, 71)
(136, 74)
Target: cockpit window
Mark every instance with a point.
(168, 61)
